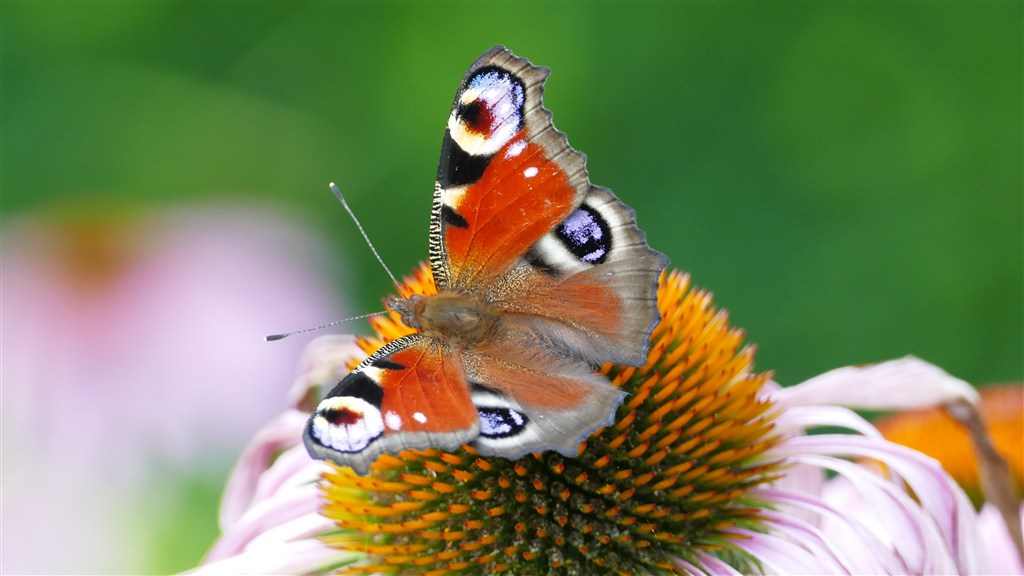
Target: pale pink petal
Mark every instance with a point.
(778, 555)
(939, 494)
(811, 538)
(801, 479)
(324, 362)
(913, 532)
(281, 433)
(268, 514)
(997, 542)
(712, 565)
(292, 468)
(891, 515)
(865, 552)
(309, 525)
(296, 557)
(688, 568)
(799, 418)
(903, 384)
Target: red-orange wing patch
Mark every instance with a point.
(409, 394)
(517, 200)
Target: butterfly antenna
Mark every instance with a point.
(341, 198)
(273, 337)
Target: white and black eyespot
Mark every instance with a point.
(498, 418)
(346, 424)
(586, 234)
(488, 112)
(583, 240)
(501, 422)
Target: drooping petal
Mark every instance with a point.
(325, 361)
(866, 553)
(1004, 557)
(898, 384)
(279, 434)
(308, 556)
(799, 418)
(288, 504)
(934, 532)
(778, 554)
(709, 564)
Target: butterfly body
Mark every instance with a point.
(454, 317)
(541, 277)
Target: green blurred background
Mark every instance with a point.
(845, 177)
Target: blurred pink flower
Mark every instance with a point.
(134, 347)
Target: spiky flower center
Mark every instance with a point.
(666, 481)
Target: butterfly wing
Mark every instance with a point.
(529, 401)
(410, 394)
(516, 221)
(506, 177)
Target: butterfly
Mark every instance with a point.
(541, 278)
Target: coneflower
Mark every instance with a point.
(706, 469)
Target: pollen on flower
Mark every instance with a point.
(666, 481)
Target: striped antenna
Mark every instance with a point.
(341, 197)
(274, 337)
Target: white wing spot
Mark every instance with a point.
(530, 172)
(419, 417)
(392, 420)
(515, 149)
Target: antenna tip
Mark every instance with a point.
(337, 194)
(274, 337)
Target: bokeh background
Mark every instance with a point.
(845, 177)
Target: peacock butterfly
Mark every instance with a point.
(541, 278)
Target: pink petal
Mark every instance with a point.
(906, 383)
(298, 557)
(810, 537)
(307, 526)
(802, 417)
(292, 468)
(711, 565)
(997, 542)
(284, 507)
(280, 433)
(865, 552)
(778, 555)
(912, 533)
(324, 362)
(939, 495)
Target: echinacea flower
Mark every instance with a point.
(707, 469)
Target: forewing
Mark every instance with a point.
(506, 176)
(410, 394)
